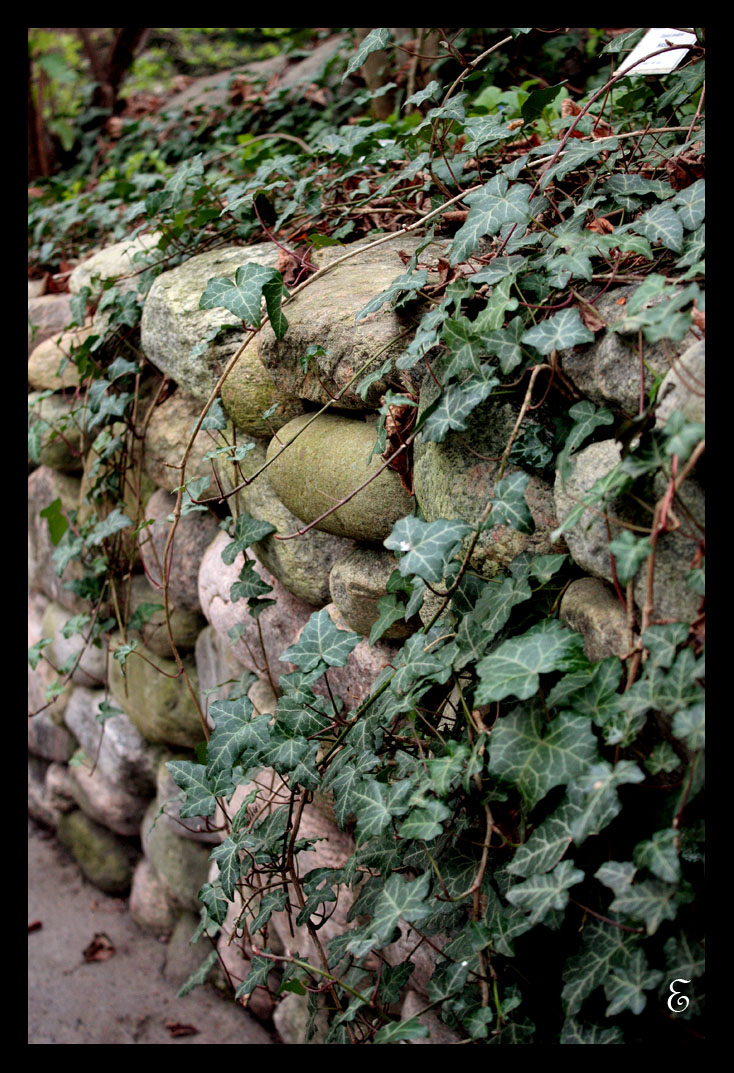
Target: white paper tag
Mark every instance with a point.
(656, 38)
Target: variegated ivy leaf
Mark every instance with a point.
(374, 41)
(200, 975)
(573, 1032)
(227, 856)
(260, 969)
(483, 130)
(113, 523)
(624, 986)
(420, 657)
(243, 295)
(431, 91)
(661, 224)
(464, 347)
(321, 642)
(397, 1031)
(513, 669)
(509, 506)
(235, 732)
(690, 726)
(596, 792)
(425, 823)
(200, 788)
(586, 418)
(660, 855)
(691, 204)
(540, 893)
(573, 156)
(662, 642)
(271, 902)
(547, 843)
(408, 283)
(212, 896)
(454, 406)
(682, 435)
(249, 585)
(604, 948)
(629, 552)
(489, 209)
(427, 546)
(559, 332)
(534, 756)
(399, 898)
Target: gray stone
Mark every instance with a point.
(166, 437)
(194, 533)
(216, 667)
(56, 421)
(588, 540)
(325, 312)
(452, 482)
(40, 808)
(357, 583)
(684, 387)
(48, 740)
(185, 624)
(607, 371)
(90, 669)
(593, 609)
(104, 859)
(278, 624)
(327, 463)
(249, 391)
(44, 486)
(173, 325)
(159, 704)
(48, 317)
(181, 865)
(302, 565)
(59, 787)
(103, 801)
(183, 957)
(122, 755)
(291, 1019)
(42, 677)
(212, 90)
(44, 362)
(36, 287)
(150, 907)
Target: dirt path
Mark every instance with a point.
(122, 999)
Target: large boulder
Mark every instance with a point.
(48, 317)
(103, 801)
(684, 387)
(105, 859)
(328, 462)
(302, 566)
(168, 432)
(44, 364)
(325, 312)
(249, 391)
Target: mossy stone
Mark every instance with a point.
(104, 859)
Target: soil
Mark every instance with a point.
(121, 996)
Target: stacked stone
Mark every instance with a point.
(113, 785)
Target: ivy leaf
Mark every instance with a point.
(560, 332)
(57, 522)
(535, 757)
(573, 1032)
(402, 1030)
(690, 725)
(547, 844)
(213, 898)
(113, 523)
(691, 204)
(242, 295)
(271, 902)
(420, 658)
(464, 347)
(681, 435)
(513, 669)
(445, 771)
(192, 779)
(596, 792)
(321, 642)
(586, 418)
(540, 893)
(454, 406)
(629, 554)
(624, 986)
(227, 856)
(249, 585)
(604, 948)
(399, 898)
(660, 855)
(374, 41)
(509, 506)
(200, 975)
(661, 224)
(390, 609)
(489, 209)
(425, 823)
(662, 642)
(408, 283)
(260, 969)
(505, 342)
(235, 731)
(428, 545)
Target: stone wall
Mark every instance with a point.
(108, 793)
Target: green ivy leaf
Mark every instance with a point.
(57, 522)
(242, 295)
(374, 41)
(624, 986)
(559, 332)
(660, 855)
(509, 506)
(690, 204)
(398, 899)
(540, 893)
(193, 780)
(321, 642)
(596, 792)
(454, 406)
(629, 552)
(535, 757)
(200, 975)
(406, 284)
(113, 523)
(489, 209)
(428, 546)
(604, 949)
(514, 668)
(402, 1030)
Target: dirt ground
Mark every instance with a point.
(123, 998)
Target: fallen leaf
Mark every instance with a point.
(35, 925)
(569, 107)
(175, 1028)
(592, 321)
(100, 949)
(621, 301)
(699, 317)
(601, 225)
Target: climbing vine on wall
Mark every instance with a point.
(533, 817)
